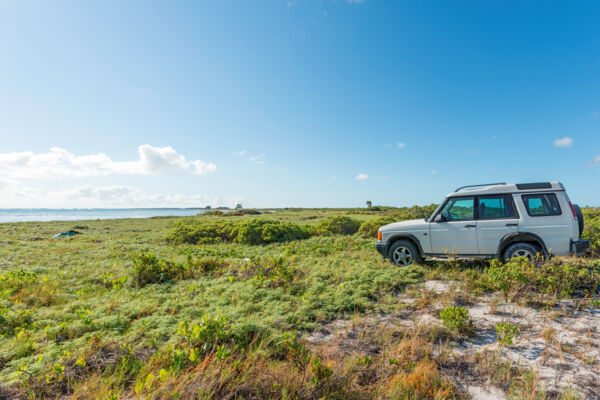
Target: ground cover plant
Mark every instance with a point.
(214, 307)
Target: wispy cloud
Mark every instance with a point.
(564, 142)
(258, 159)
(595, 114)
(433, 171)
(595, 162)
(59, 163)
(240, 153)
(362, 177)
(400, 145)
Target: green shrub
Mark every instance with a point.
(206, 334)
(147, 269)
(13, 281)
(456, 318)
(255, 231)
(273, 272)
(11, 320)
(194, 231)
(369, 228)
(592, 233)
(339, 225)
(263, 231)
(553, 277)
(507, 332)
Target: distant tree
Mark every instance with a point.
(208, 207)
(238, 206)
(369, 204)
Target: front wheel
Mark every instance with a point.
(403, 253)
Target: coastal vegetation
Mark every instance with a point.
(240, 306)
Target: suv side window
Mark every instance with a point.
(459, 209)
(496, 207)
(540, 205)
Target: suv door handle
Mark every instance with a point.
(471, 226)
(512, 224)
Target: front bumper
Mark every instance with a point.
(579, 247)
(381, 248)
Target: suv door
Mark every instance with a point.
(457, 234)
(497, 217)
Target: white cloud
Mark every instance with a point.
(383, 178)
(240, 153)
(433, 171)
(202, 168)
(400, 145)
(86, 196)
(258, 159)
(595, 162)
(362, 177)
(59, 163)
(564, 142)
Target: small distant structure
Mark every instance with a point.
(369, 204)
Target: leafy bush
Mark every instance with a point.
(206, 335)
(239, 213)
(147, 269)
(339, 225)
(263, 231)
(553, 277)
(273, 273)
(507, 332)
(255, 231)
(457, 319)
(369, 228)
(13, 281)
(592, 233)
(11, 320)
(193, 231)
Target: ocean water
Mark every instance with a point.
(40, 214)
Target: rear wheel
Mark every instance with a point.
(403, 253)
(521, 249)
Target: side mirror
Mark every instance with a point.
(439, 218)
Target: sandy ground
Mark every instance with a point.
(560, 345)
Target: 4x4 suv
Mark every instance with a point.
(495, 220)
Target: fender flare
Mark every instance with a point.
(520, 237)
(401, 236)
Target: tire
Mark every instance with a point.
(403, 253)
(579, 218)
(521, 249)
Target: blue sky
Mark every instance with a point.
(294, 103)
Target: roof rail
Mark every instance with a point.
(483, 184)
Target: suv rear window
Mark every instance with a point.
(540, 205)
(496, 207)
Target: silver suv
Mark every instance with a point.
(495, 220)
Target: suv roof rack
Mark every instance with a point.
(483, 184)
(535, 185)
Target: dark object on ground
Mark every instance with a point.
(70, 232)
(241, 212)
(80, 227)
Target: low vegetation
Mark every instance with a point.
(220, 307)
